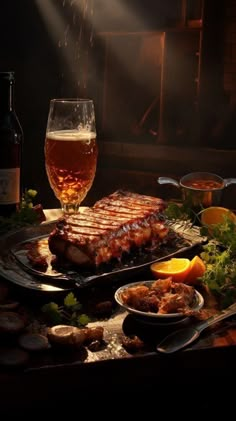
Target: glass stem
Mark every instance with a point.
(70, 208)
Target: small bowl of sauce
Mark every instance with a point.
(200, 189)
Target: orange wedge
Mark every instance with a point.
(177, 268)
(197, 269)
(216, 215)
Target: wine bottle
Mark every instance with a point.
(11, 142)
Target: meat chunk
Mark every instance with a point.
(38, 253)
(114, 225)
(163, 297)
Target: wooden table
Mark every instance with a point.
(146, 378)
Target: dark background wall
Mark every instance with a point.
(41, 59)
(32, 49)
(26, 48)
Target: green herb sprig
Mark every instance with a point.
(219, 254)
(24, 216)
(223, 233)
(181, 212)
(70, 312)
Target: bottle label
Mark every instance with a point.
(9, 186)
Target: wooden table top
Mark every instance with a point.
(213, 353)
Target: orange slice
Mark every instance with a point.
(197, 269)
(177, 268)
(216, 215)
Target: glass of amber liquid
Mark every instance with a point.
(71, 150)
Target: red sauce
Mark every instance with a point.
(203, 184)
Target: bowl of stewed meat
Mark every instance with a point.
(200, 189)
(160, 299)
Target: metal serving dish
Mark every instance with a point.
(200, 189)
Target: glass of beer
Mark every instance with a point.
(71, 150)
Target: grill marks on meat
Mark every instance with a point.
(114, 225)
(129, 203)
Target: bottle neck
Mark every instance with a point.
(6, 96)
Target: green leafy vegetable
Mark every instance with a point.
(220, 274)
(223, 233)
(71, 301)
(83, 319)
(53, 313)
(27, 199)
(70, 312)
(181, 212)
(25, 215)
(219, 254)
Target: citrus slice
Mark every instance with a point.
(177, 268)
(215, 215)
(197, 269)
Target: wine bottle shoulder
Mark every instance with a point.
(10, 123)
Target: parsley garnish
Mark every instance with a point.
(181, 212)
(24, 216)
(70, 312)
(219, 254)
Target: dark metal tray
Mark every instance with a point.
(15, 266)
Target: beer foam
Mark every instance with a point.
(69, 135)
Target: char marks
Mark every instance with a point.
(114, 225)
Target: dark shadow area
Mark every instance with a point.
(148, 88)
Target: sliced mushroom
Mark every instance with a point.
(33, 342)
(10, 322)
(66, 335)
(9, 305)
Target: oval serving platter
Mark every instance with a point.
(15, 266)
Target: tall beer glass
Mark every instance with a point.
(71, 150)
